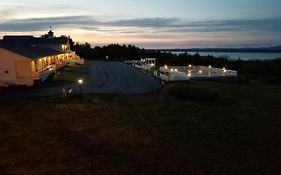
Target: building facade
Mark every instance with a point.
(27, 60)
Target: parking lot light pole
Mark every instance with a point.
(80, 81)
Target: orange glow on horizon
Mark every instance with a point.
(146, 39)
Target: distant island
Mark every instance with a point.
(246, 49)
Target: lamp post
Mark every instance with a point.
(80, 81)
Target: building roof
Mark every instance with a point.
(17, 39)
(26, 39)
(30, 51)
(33, 47)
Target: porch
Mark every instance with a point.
(42, 68)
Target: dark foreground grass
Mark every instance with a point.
(159, 133)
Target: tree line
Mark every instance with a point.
(113, 52)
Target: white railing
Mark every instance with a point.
(186, 72)
(38, 75)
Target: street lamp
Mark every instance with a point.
(80, 81)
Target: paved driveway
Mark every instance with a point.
(117, 77)
(104, 78)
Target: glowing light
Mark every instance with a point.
(166, 67)
(80, 81)
(200, 71)
(190, 65)
(210, 66)
(172, 70)
(64, 47)
(189, 75)
(176, 70)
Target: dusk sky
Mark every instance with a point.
(149, 23)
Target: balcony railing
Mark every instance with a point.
(43, 73)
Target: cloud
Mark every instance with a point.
(157, 31)
(268, 25)
(38, 24)
(7, 12)
(172, 25)
(4, 13)
(145, 22)
(180, 25)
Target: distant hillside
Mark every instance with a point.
(259, 49)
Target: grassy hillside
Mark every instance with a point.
(186, 128)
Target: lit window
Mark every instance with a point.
(64, 47)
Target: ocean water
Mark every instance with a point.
(241, 55)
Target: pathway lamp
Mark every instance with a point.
(80, 82)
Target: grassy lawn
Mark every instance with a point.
(228, 129)
(67, 75)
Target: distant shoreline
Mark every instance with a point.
(234, 55)
(275, 49)
(220, 50)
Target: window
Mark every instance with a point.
(64, 47)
